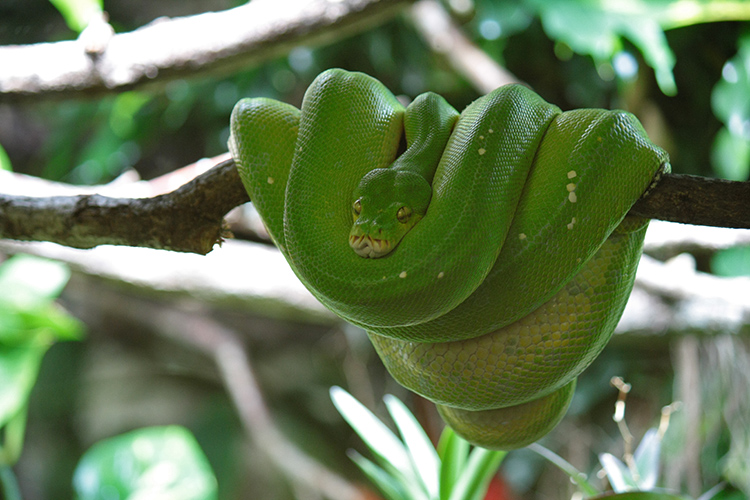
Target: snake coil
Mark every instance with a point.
(489, 260)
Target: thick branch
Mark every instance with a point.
(697, 200)
(188, 219)
(183, 47)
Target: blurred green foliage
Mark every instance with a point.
(78, 13)
(4, 160)
(154, 462)
(733, 261)
(731, 104)
(30, 322)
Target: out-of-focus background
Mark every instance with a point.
(149, 318)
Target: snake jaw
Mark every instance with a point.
(368, 247)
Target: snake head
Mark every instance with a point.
(387, 204)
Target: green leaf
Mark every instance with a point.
(618, 473)
(597, 28)
(730, 101)
(476, 476)
(4, 160)
(19, 367)
(734, 261)
(28, 315)
(379, 438)
(575, 475)
(77, 13)
(49, 322)
(640, 495)
(646, 459)
(730, 155)
(12, 445)
(157, 462)
(387, 484)
(422, 453)
(27, 282)
(453, 451)
(648, 36)
(122, 119)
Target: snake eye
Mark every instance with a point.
(403, 214)
(357, 207)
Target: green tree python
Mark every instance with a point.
(487, 253)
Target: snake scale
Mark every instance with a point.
(487, 253)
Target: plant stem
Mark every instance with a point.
(577, 476)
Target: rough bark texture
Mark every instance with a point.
(214, 42)
(697, 200)
(189, 219)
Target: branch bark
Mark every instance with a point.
(190, 219)
(214, 42)
(697, 200)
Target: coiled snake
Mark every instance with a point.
(487, 253)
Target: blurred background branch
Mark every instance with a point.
(209, 43)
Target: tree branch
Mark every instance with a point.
(189, 219)
(238, 376)
(446, 38)
(697, 200)
(219, 42)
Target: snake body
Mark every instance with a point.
(489, 257)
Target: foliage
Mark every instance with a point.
(4, 160)
(731, 104)
(156, 462)
(153, 462)
(412, 469)
(30, 322)
(78, 13)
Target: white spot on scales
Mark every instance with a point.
(402, 275)
(571, 187)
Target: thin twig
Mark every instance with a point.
(105, 308)
(446, 38)
(239, 379)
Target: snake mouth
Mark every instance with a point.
(369, 247)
